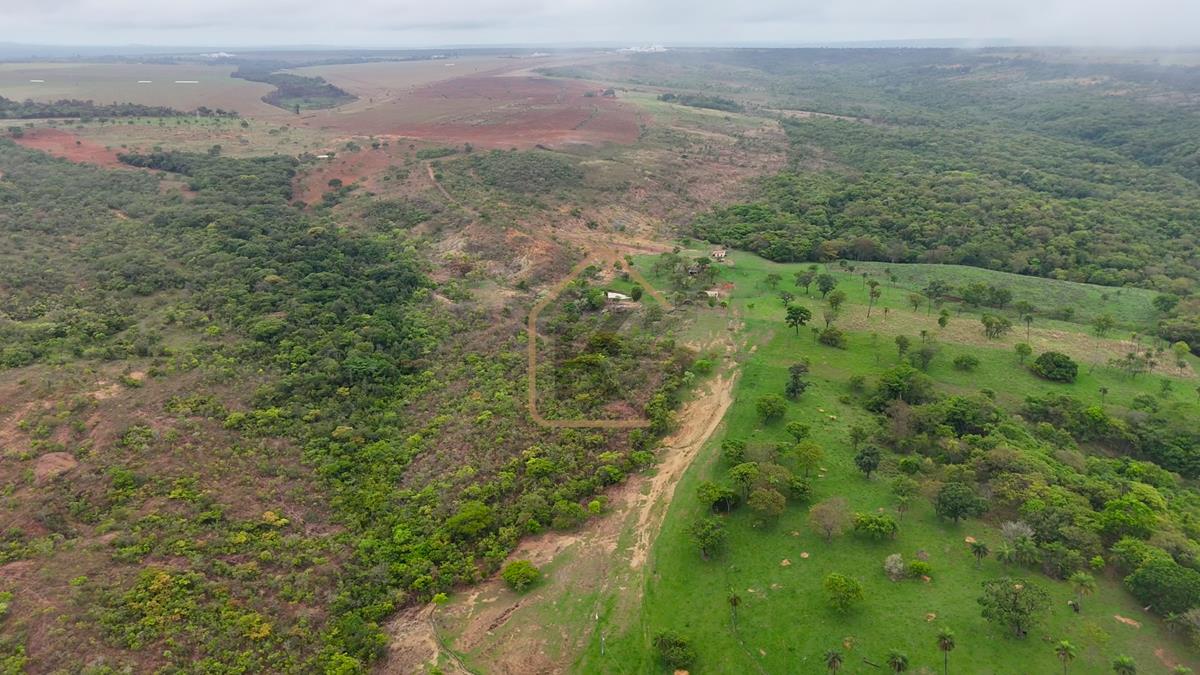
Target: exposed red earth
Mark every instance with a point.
(495, 112)
(68, 146)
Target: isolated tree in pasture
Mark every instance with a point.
(868, 459)
(797, 316)
(873, 296)
(772, 280)
(1023, 350)
(1016, 604)
(796, 384)
(1083, 583)
(770, 407)
(842, 592)
(995, 326)
(520, 574)
(1065, 651)
(923, 356)
(734, 601)
(915, 300)
(808, 456)
(904, 489)
(936, 290)
(980, 550)
(943, 318)
(674, 650)
(876, 526)
(833, 660)
(830, 315)
(1055, 366)
(826, 283)
(805, 278)
(836, 299)
(1181, 350)
(708, 534)
(902, 345)
(858, 434)
(946, 643)
(829, 517)
(897, 662)
(1103, 324)
(797, 430)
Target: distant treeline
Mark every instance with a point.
(702, 101)
(296, 92)
(10, 109)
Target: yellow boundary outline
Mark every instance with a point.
(531, 328)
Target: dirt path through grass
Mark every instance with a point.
(593, 576)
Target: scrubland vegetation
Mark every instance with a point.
(955, 292)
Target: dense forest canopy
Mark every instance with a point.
(1080, 171)
(293, 92)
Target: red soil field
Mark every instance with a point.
(348, 167)
(495, 112)
(68, 146)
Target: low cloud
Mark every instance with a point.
(391, 23)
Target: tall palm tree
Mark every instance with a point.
(1083, 583)
(1065, 652)
(833, 660)
(1124, 665)
(945, 642)
(897, 661)
(980, 550)
(734, 601)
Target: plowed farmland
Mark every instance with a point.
(494, 111)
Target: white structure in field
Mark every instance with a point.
(613, 295)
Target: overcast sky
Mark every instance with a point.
(410, 23)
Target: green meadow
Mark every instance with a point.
(783, 624)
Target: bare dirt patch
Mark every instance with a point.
(414, 642)
(1127, 621)
(699, 419)
(52, 464)
(69, 146)
(494, 112)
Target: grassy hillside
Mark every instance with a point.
(782, 622)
